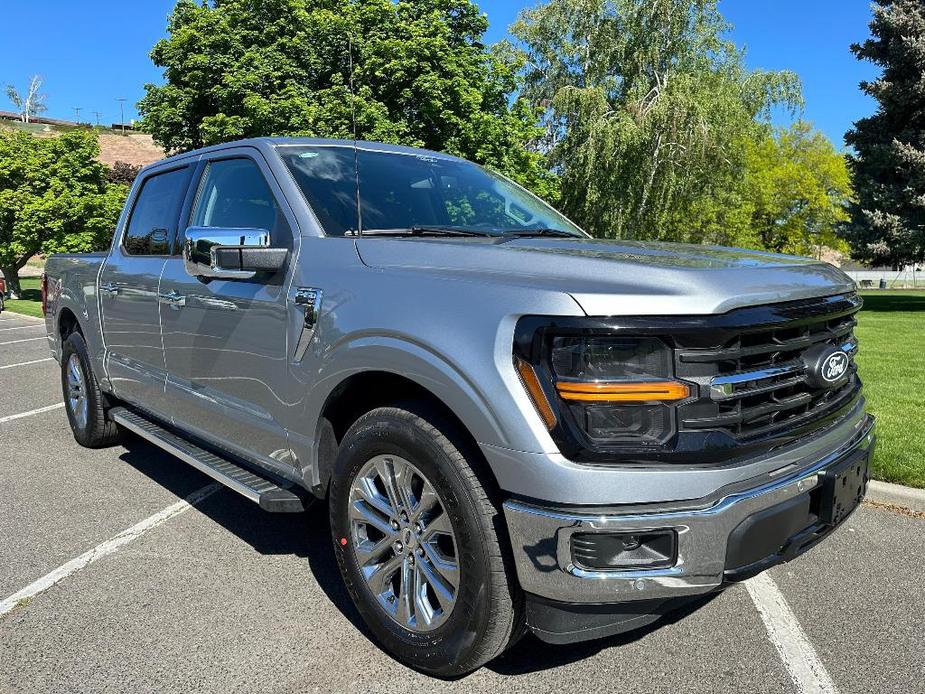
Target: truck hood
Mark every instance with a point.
(609, 278)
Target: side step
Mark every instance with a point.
(259, 489)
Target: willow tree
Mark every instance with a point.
(648, 109)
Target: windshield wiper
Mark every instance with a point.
(542, 231)
(423, 230)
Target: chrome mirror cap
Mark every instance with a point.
(216, 253)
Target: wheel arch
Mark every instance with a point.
(365, 390)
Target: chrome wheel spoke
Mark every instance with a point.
(379, 577)
(362, 512)
(369, 553)
(385, 466)
(405, 611)
(404, 475)
(367, 489)
(444, 590)
(427, 503)
(440, 525)
(446, 568)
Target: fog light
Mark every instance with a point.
(655, 549)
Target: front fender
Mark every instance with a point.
(402, 356)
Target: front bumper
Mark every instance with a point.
(541, 537)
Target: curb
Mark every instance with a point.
(896, 495)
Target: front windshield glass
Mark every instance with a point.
(402, 192)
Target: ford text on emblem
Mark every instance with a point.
(834, 366)
(826, 366)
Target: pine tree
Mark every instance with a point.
(888, 219)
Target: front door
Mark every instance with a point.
(225, 341)
(128, 287)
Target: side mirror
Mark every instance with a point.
(233, 254)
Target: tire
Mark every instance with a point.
(84, 402)
(485, 613)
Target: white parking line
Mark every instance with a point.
(25, 363)
(111, 545)
(795, 650)
(28, 339)
(23, 327)
(40, 410)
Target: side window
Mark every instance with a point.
(234, 194)
(153, 222)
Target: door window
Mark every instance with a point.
(234, 194)
(153, 222)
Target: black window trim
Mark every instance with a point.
(172, 239)
(199, 177)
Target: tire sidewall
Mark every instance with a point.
(74, 344)
(438, 650)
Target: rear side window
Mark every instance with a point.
(234, 194)
(153, 222)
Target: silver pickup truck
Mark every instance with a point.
(515, 426)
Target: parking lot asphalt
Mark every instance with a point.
(225, 597)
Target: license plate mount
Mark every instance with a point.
(843, 488)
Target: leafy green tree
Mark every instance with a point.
(408, 71)
(888, 220)
(791, 195)
(647, 110)
(54, 198)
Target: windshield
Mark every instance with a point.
(404, 192)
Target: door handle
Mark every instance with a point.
(109, 289)
(173, 299)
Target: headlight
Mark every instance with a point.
(603, 391)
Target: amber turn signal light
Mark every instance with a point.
(535, 391)
(655, 391)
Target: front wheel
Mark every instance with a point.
(417, 542)
(83, 399)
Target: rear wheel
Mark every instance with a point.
(83, 400)
(417, 541)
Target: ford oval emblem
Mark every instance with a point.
(834, 367)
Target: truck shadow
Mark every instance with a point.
(307, 535)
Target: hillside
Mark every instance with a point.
(133, 148)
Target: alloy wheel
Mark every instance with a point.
(404, 543)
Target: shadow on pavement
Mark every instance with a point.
(307, 535)
(533, 655)
(304, 535)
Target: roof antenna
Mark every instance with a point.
(353, 115)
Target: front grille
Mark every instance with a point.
(754, 383)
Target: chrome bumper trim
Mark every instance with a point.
(541, 538)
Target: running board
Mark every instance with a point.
(259, 489)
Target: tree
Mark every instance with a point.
(54, 198)
(413, 72)
(791, 195)
(31, 103)
(123, 172)
(647, 110)
(888, 220)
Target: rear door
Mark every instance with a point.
(128, 287)
(225, 340)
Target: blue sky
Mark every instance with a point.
(94, 51)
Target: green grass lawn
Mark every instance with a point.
(31, 303)
(891, 332)
(891, 335)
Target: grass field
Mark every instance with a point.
(31, 303)
(891, 335)
(891, 332)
